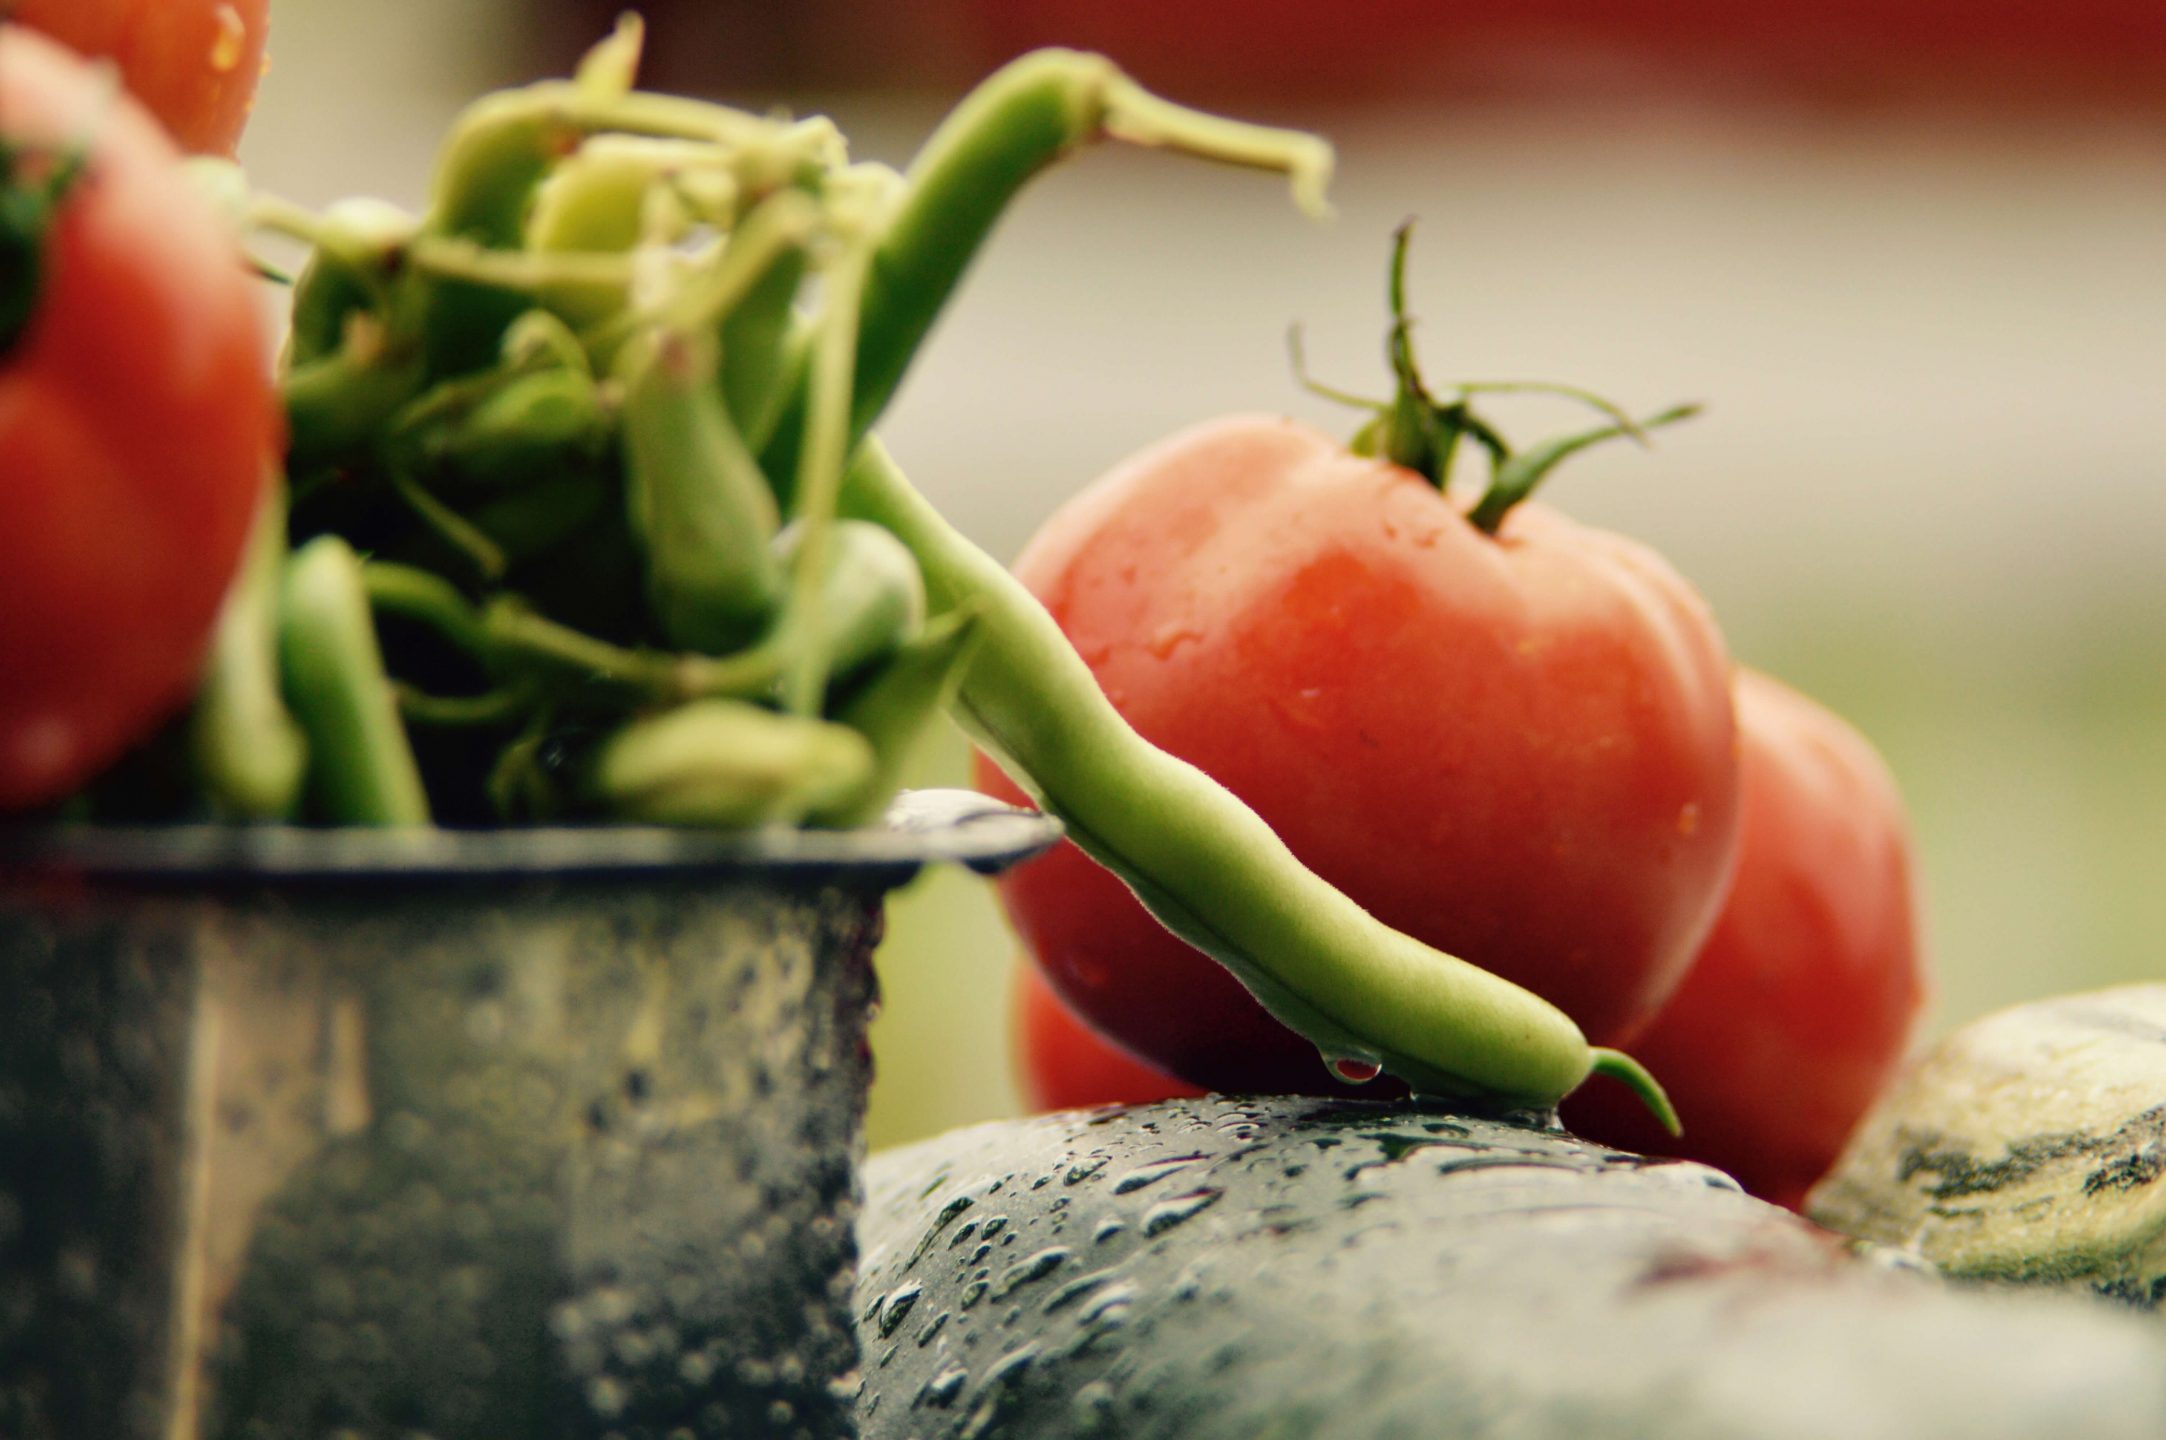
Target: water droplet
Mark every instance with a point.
(896, 1309)
(1168, 1213)
(925, 1336)
(1110, 1308)
(1168, 638)
(974, 1292)
(230, 41)
(1152, 1173)
(941, 1390)
(1078, 1173)
(1106, 1230)
(1037, 1267)
(1076, 1289)
(1355, 1069)
(1092, 1407)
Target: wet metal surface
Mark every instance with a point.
(511, 1152)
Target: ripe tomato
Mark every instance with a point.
(1064, 1065)
(136, 419)
(193, 63)
(1798, 1009)
(1517, 748)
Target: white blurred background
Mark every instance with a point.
(1910, 255)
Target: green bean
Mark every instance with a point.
(872, 597)
(602, 196)
(364, 772)
(580, 285)
(503, 433)
(507, 638)
(755, 338)
(892, 708)
(554, 508)
(1207, 866)
(700, 509)
(250, 756)
(503, 145)
(355, 249)
(819, 479)
(339, 403)
(727, 290)
(1026, 116)
(728, 765)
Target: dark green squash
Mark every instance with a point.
(1289, 1267)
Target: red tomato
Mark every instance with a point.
(1516, 748)
(1065, 1065)
(1798, 1009)
(136, 418)
(193, 63)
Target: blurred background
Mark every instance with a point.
(1911, 253)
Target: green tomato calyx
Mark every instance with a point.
(1421, 432)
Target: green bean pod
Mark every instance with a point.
(1024, 117)
(871, 598)
(250, 756)
(355, 248)
(727, 765)
(363, 771)
(893, 707)
(503, 146)
(1208, 867)
(701, 510)
(599, 198)
(528, 426)
(755, 338)
(553, 509)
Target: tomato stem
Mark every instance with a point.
(1419, 432)
(29, 204)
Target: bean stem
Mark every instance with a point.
(1026, 116)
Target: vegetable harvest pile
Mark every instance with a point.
(578, 516)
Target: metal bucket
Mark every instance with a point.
(467, 1136)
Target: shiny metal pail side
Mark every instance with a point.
(480, 1147)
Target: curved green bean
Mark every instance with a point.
(1207, 866)
(892, 708)
(871, 598)
(726, 764)
(1026, 116)
(363, 770)
(249, 753)
(700, 509)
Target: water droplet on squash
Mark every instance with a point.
(1355, 1069)
(1169, 1213)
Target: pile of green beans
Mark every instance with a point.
(582, 518)
(557, 533)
